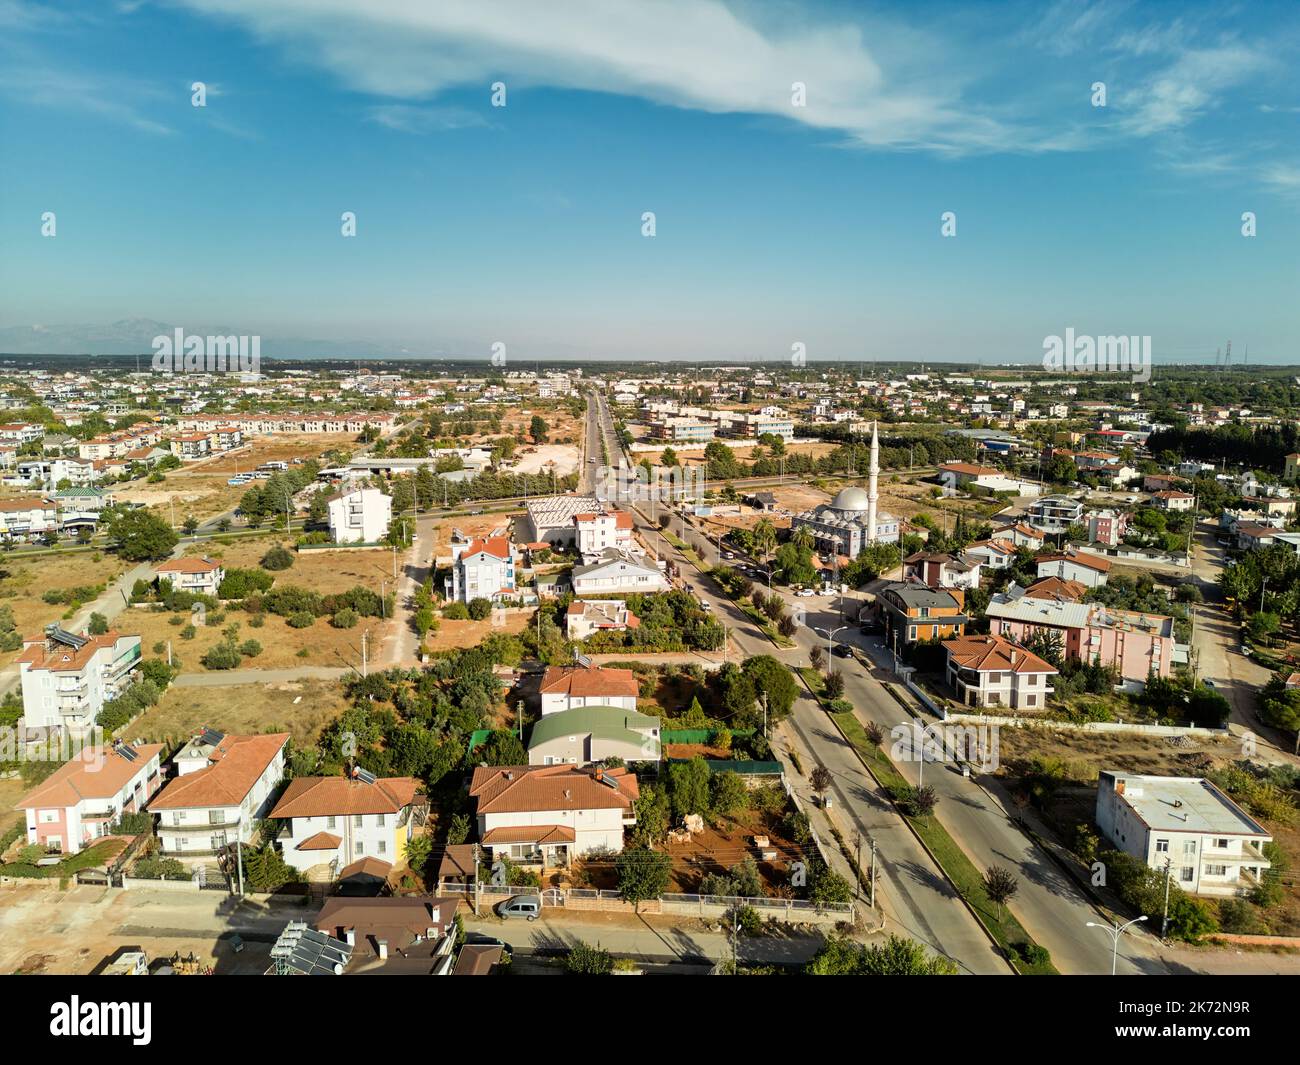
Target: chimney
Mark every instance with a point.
(351, 935)
(568, 794)
(383, 950)
(1013, 656)
(508, 775)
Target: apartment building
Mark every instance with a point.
(595, 532)
(27, 518)
(992, 671)
(360, 516)
(482, 569)
(616, 572)
(1054, 514)
(1090, 570)
(550, 519)
(332, 822)
(67, 678)
(223, 787)
(81, 801)
(1136, 644)
(1186, 825)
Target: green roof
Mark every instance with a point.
(607, 722)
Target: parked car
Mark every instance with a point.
(527, 907)
(705, 605)
(804, 593)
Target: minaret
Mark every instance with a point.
(872, 489)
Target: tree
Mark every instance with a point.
(820, 779)
(1000, 885)
(688, 787)
(538, 429)
(833, 685)
(419, 849)
(190, 524)
(775, 679)
(897, 956)
(98, 624)
(278, 558)
(502, 748)
(729, 793)
(642, 874)
(920, 802)
(586, 960)
(139, 536)
(669, 458)
(479, 608)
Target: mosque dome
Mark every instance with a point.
(851, 500)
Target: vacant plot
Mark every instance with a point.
(471, 525)
(323, 571)
(719, 847)
(510, 621)
(24, 582)
(1130, 752)
(546, 458)
(281, 643)
(302, 708)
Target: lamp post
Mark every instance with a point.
(830, 643)
(1115, 931)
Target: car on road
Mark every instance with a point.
(805, 593)
(1209, 683)
(1223, 542)
(527, 907)
(705, 605)
(1246, 649)
(842, 650)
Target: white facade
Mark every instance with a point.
(593, 830)
(1209, 844)
(555, 702)
(482, 569)
(67, 688)
(617, 573)
(360, 516)
(360, 836)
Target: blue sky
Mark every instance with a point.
(775, 224)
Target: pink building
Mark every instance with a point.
(84, 797)
(1137, 644)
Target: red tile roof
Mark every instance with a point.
(492, 545)
(531, 789)
(189, 565)
(588, 681)
(336, 796)
(64, 658)
(236, 765)
(993, 654)
(96, 773)
(322, 841)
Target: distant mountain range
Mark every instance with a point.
(134, 336)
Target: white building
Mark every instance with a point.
(335, 821)
(550, 519)
(201, 575)
(88, 794)
(67, 678)
(482, 569)
(615, 573)
(1090, 570)
(28, 517)
(1211, 846)
(585, 616)
(360, 516)
(569, 687)
(223, 788)
(598, 531)
(991, 671)
(546, 815)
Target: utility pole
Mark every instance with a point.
(1164, 918)
(239, 861)
(364, 636)
(476, 880)
(873, 874)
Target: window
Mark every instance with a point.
(379, 820)
(1186, 874)
(1031, 700)
(359, 821)
(1216, 870)
(1162, 846)
(383, 846)
(359, 847)
(331, 821)
(1221, 844)
(1189, 849)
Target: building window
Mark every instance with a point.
(1187, 874)
(1221, 844)
(359, 847)
(379, 820)
(383, 846)
(359, 821)
(1162, 846)
(331, 821)
(1189, 849)
(1216, 870)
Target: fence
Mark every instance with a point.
(698, 735)
(792, 911)
(1087, 726)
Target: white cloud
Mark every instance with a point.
(892, 91)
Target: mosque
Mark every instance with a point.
(851, 521)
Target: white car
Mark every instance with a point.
(805, 593)
(705, 605)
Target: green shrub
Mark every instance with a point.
(301, 620)
(223, 655)
(344, 619)
(278, 558)
(250, 648)
(456, 612)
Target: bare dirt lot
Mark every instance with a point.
(301, 708)
(74, 932)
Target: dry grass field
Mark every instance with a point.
(302, 708)
(23, 583)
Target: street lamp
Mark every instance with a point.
(830, 642)
(1115, 932)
